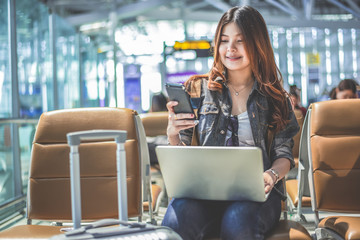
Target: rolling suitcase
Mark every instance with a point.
(107, 228)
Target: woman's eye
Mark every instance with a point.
(240, 40)
(224, 40)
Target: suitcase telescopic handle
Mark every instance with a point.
(74, 139)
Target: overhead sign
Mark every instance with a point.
(192, 45)
(313, 59)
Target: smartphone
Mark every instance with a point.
(178, 93)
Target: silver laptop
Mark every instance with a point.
(212, 173)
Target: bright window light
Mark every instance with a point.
(1, 84)
(210, 62)
(340, 37)
(302, 39)
(328, 61)
(120, 85)
(148, 37)
(354, 54)
(92, 89)
(101, 71)
(275, 39)
(102, 89)
(198, 65)
(110, 69)
(290, 64)
(328, 79)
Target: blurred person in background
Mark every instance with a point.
(158, 104)
(296, 100)
(346, 89)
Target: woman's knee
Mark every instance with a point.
(187, 217)
(180, 211)
(240, 221)
(242, 211)
(186, 206)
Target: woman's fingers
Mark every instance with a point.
(170, 106)
(269, 182)
(179, 121)
(268, 188)
(175, 126)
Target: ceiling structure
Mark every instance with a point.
(286, 13)
(283, 13)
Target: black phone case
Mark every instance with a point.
(177, 93)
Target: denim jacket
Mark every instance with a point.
(214, 110)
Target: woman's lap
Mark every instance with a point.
(197, 219)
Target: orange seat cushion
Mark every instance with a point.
(292, 190)
(31, 231)
(155, 191)
(287, 229)
(346, 226)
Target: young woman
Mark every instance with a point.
(241, 100)
(296, 99)
(345, 90)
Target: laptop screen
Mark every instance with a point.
(212, 173)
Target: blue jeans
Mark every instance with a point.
(199, 219)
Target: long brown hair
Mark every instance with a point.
(262, 61)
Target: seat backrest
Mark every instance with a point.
(334, 137)
(155, 123)
(49, 178)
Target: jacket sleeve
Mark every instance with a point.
(194, 90)
(283, 140)
(186, 136)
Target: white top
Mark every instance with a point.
(244, 131)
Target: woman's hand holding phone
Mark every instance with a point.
(178, 122)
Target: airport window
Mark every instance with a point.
(88, 72)
(67, 64)
(34, 62)
(5, 79)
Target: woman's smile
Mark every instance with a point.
(233, 58)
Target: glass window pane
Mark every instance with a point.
(90, 94)
(5, 79)
(67, 65)
(34, 64)
(26, 134)
(6, 164)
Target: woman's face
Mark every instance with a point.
(232, 49)
(344, 94)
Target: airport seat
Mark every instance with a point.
(48, 196)
(156, 190)
(155, 125)
(288, 229)
(300, 120)
(298, 189)
(292, 187)
(334, 167)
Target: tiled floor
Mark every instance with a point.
(309, 224)
(308, 214)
